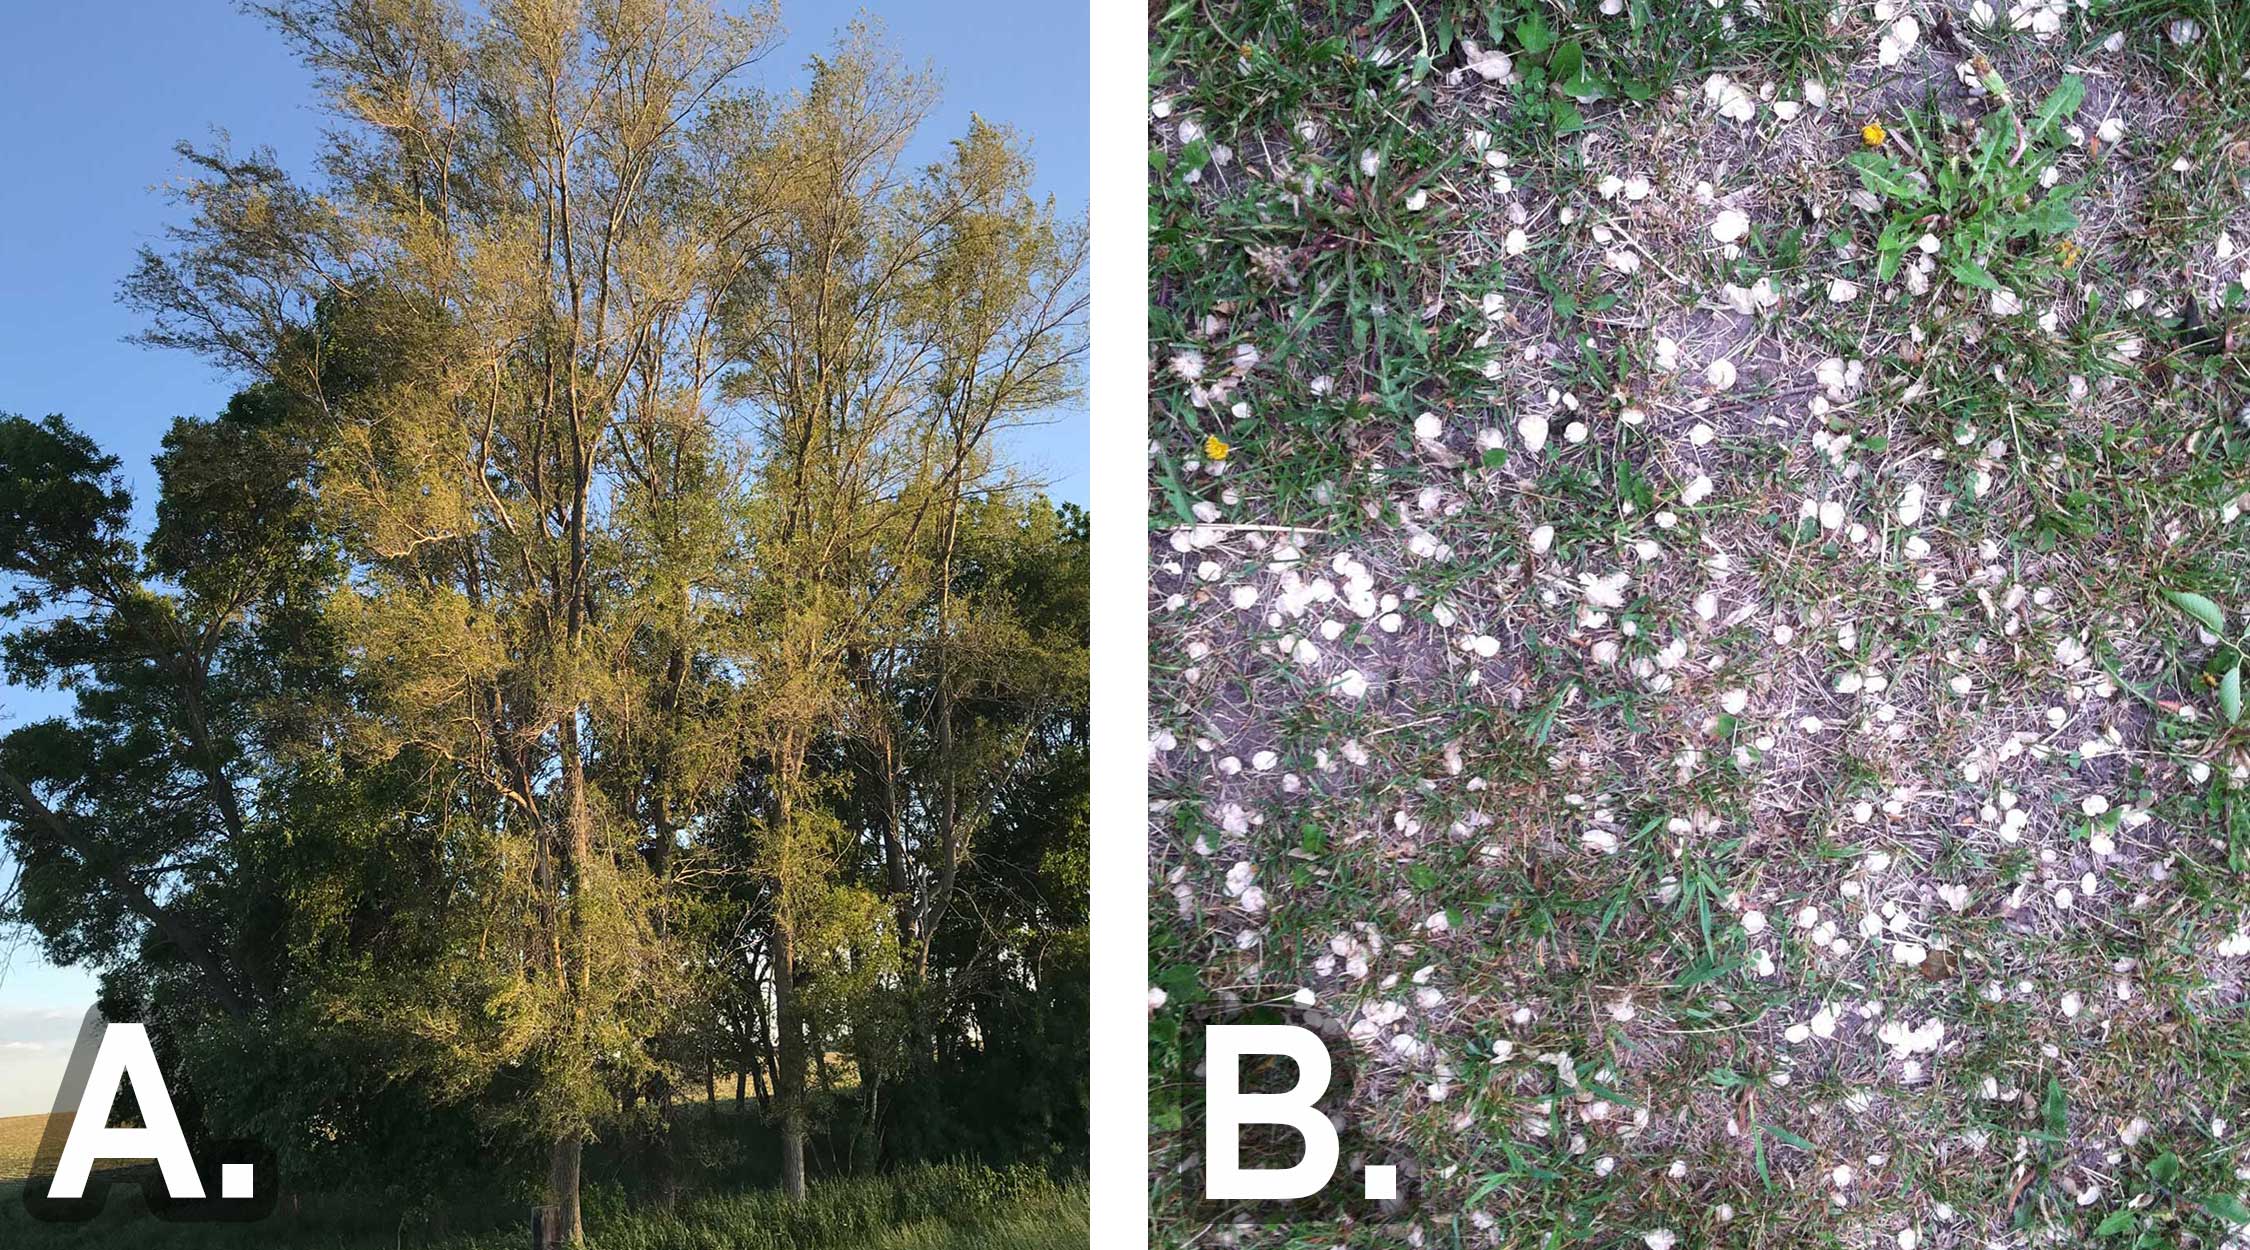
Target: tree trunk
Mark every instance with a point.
(894, 848)
(789, 1080)
(793, 1162)
(759, 1056)
(741, 1076)
(866, 1146)
(789, 1073)
(949, 776)
(562, 1181)
(710, 1079)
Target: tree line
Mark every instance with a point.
(601, 645)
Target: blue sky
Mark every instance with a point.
(99, 132)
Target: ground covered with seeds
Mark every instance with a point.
(1697, 599)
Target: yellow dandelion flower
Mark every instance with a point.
(2067, 252)
(1215, 448)
(1873, 134)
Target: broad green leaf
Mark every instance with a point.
(2165, 1168)
(1181, 983)
(2051, 215)
(2056, 1109)
(2116, 1222)
(2200, 608)
(1995, 144)
(2060, 103)
(2230, 694)
(1583, 89)
(1532, 34)
(2227, 1207)
(1973, 274)
(1890, 249)
(1882, 175)
(1948, 182)
(1569, 58)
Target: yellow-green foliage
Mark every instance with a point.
(657, 662)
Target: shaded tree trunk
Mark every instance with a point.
(571, 965)
(789, 1078)
(758, 1056)
(562, 1183)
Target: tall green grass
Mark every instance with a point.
(943, 1206)
(931, 1206)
